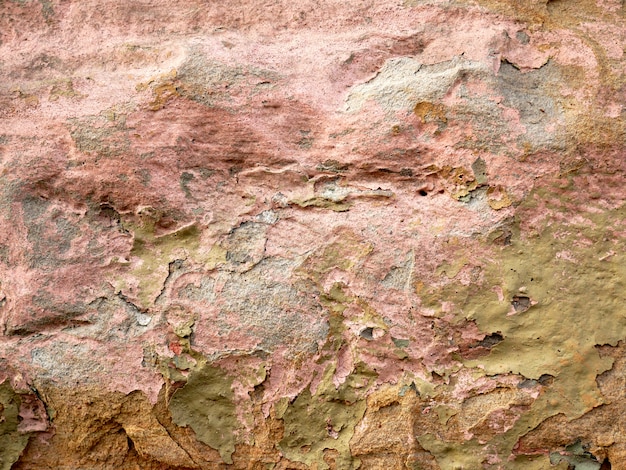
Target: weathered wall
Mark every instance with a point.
(312, 234)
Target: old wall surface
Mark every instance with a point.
(271, 234)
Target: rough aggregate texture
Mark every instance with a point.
(312, 234)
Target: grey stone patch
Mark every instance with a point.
(49, 237)
(50, 315)
(134, 313)
(47, 10)
(175, 270)
(207, 81)
(332, 191)
(67, 233)
(101, 322)
(367, 333)
(415, 3)
(4, 253)
(203, 292)
(403, 82)
(68, 364)
(46, 301)
(185, 179)
(34, 207)
(267, 217)
(532, 94)
(144, 176)
(103, 135)
(245, 245)
(479, 167)
(522, 37)
(10, 190)
(264, 304)
(399, 277)
(332, 166)
(143, 319)
(477, 200)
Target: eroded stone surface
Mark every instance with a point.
(299, 235)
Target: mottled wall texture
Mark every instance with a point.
(312, 234)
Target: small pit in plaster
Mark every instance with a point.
(370, 333)
(520, 303)
(491, 340)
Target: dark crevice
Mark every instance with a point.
(490, 341)
(520, 303)
(130, 304)
(172, 268)
(367, 333)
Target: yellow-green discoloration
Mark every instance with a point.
(553, 297)
(576, 302)
(326, 419)
(323, 203)
(156, 252)
(206, 404)
(453, 455)
(12, 443)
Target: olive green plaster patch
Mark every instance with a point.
(444, 413)
(155, 255)
(401, 343)
(336, 301)
(420, 386)
(534, 462)
(576, 301)
(326, 419)
(206, 404)
(576, 457)
(451, 456)
(12, 443)
(553, 297)
(424, 388)
(323, 203)
(156, 252)
(451, 269)
(280, 407)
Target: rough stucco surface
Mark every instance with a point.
(312, 234)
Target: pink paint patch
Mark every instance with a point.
(175, 347)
